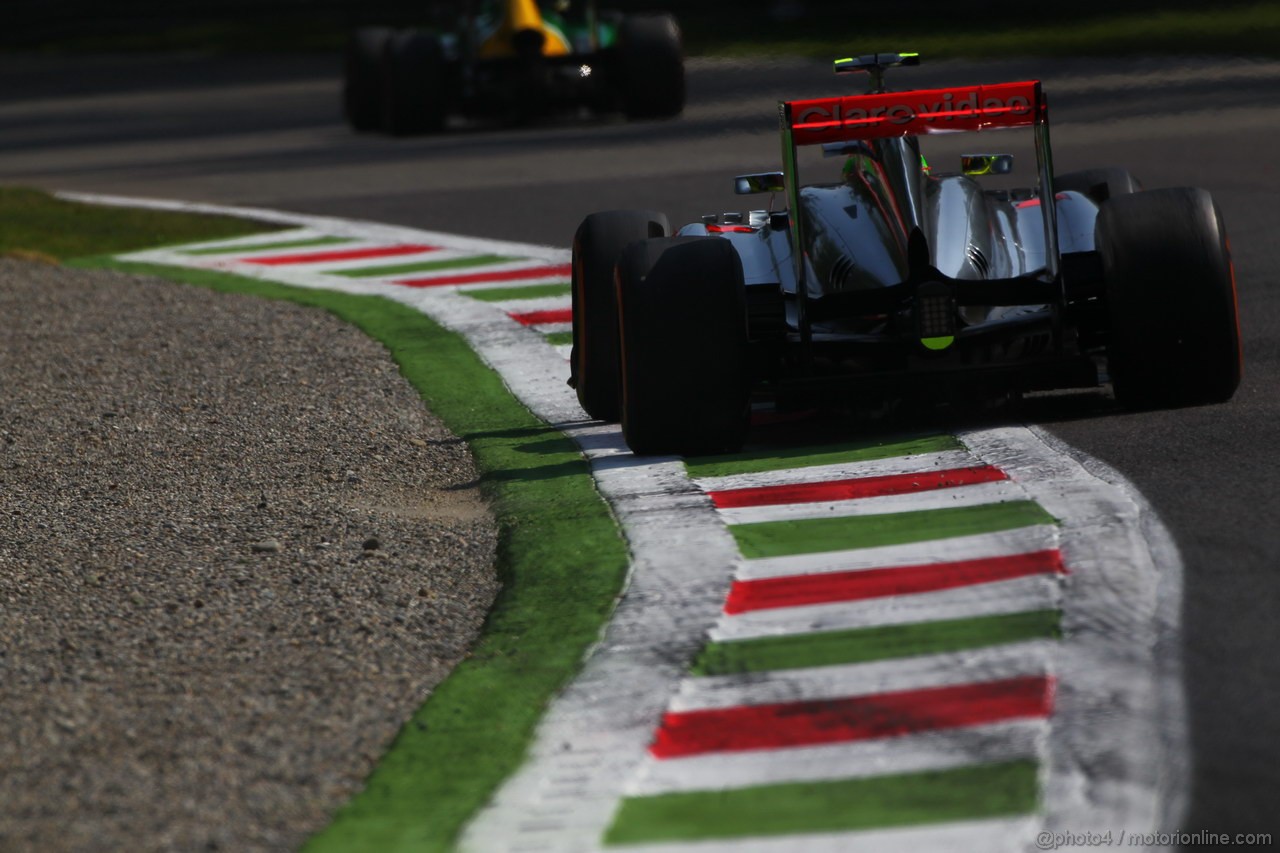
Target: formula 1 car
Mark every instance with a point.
(896, 279)
(513, 61)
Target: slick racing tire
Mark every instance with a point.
(1174, 339)
(685, 378)
(594, 361)
(650, 66)
(1098, 184)
(413, 84)
(362, 78)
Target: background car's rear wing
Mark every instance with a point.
(883, 115)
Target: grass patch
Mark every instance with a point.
(560, 560)
(34, 221)
(422, 266)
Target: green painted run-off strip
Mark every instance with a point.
(504, 294)
(778, 459)
(818, 535)
(833, 648)
(557, 339)
(264, 247)
(910, 799)
(421, 266)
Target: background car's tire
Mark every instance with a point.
(685, 377)
(1171, 299)
(1098, 184)
(650, 66)
(594, 361)
(413, 95)
(362, 77)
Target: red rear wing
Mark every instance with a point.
(887, 115)
(966, 108)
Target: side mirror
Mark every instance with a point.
(761, 182)
(986, 164)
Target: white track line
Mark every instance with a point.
(990, 663)
(1123, 661)
(528, 306)
(1021, 595)
(1005, 543)
(987, 664)
(332, 267)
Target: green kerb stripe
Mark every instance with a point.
(503, 294)
(813, 536)
(967, 793)
(261, 247)
(422, 266)
(832, 648)
(559, 338)
(756, 461)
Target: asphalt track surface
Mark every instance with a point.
(265, 131)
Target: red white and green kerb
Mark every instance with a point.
(904, 644)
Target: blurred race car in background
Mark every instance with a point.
(513, 61)
(898, 280)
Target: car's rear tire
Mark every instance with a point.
(594, 361)
(413, 84)
(1098, 184)
(650, 66)
(1171, 299)
(685, 377)
(362, 78)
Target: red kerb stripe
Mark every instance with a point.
(485, 277)
(827, 588)
(535, 318)
(860, 487)
(341, 255)
(794, 724)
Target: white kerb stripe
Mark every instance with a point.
(919, 752)
(919, 463)
(542, 303)
(1003, 543)
(1000, 491)
(973, 666)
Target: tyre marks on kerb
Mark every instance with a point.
(927, 646)
(815, 674)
